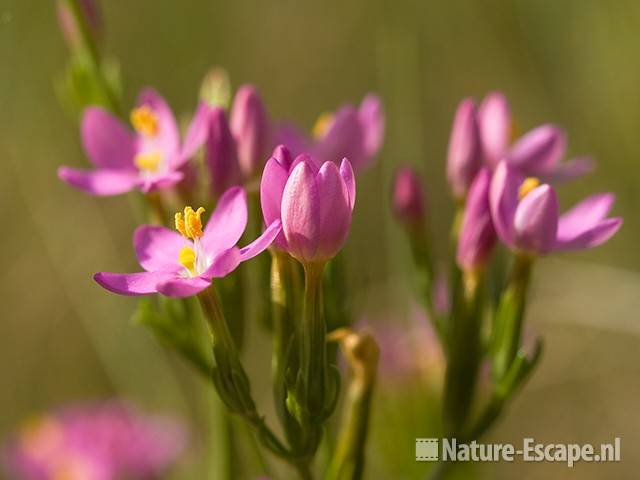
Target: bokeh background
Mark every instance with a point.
(573, 62)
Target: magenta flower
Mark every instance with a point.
(537, 153)
(408, 202)
(183, 264)
(108, 441)
(464, 157)
(354, 133)
(526, 216)
(149, 158)
(477, 235)
(211, 128)
(314, 204)
(251, 129)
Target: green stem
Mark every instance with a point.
(313, 356)
(222, 443)
(88, 53)
(284, 313)
(464, 354)
(507, 328)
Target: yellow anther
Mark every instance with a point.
(190, 226)
(322, 125)
(144, 120)
(187, 258)
(148, 161)
(529, 184)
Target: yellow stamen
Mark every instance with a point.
(529, 184)
(148, 161)
(187, 258)
(322, 125)
(144, 120)
(191, 225)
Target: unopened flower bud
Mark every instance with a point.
(250, 127)
(465, 153)
(407, 200)
(90, 11)
(477, 234)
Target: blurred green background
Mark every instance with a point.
(573, 62)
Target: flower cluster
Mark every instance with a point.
(271, 187)
(505, 192)
(104, 441)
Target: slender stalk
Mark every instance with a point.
(313, 350)
(89, 54)
(222, 443)
(510, 315)
(284, 313)
(464, 354)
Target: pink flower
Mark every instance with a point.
(408, 201)
(354, 133)
(537, 153)
(314, 204)
(477, 235)
(183, 264)
(526, 216)
(149, 158)
(464, 157)
(106, 441)
(211, 128)
(251, 129)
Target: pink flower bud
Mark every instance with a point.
(408, 197)
(477, 235)
(250, 127)
(465, 153)
(220, 154)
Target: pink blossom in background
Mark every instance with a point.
(111, 440)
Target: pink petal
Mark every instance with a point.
(301, 212)
(221, 155)
(158, 248)
(335, 211)
(161, 181)
(106, 140)
(585, 215)
(569, 170)
(503, 200)
(261, 243)
(223, 264)
(539, 150)
(181, 287)
(309, 160)
(477, 234)
(139, 283)
(372, 120)
(102, 182)
(536, 221)
(494, 121)
(345, 138)
(168, 138)
(274, 178)
(293, 138)
(464, 154)
(196, 132)
(350, 180)
(593, 237)
(227, 223)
